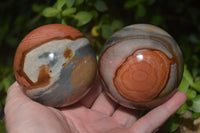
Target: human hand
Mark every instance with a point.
(96, 113)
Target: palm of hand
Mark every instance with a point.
(94, 114)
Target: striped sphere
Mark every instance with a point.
(141, 66)
(55, 65)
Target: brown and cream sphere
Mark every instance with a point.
(141, 66)
(55, 65)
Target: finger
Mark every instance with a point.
(92, 95)
(15, 98)
(104, 104)
(155, 118)
(15, 93)
(125, 116)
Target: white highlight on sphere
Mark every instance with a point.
(51, 56)
(139, 57)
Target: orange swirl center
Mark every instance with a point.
(143, 75)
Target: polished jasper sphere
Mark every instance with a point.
(141, 66)
(55, 65)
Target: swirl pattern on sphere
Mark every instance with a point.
(141, 66)
(51, 64)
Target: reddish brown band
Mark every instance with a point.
(143, 75)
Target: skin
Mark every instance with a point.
(96, 113)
